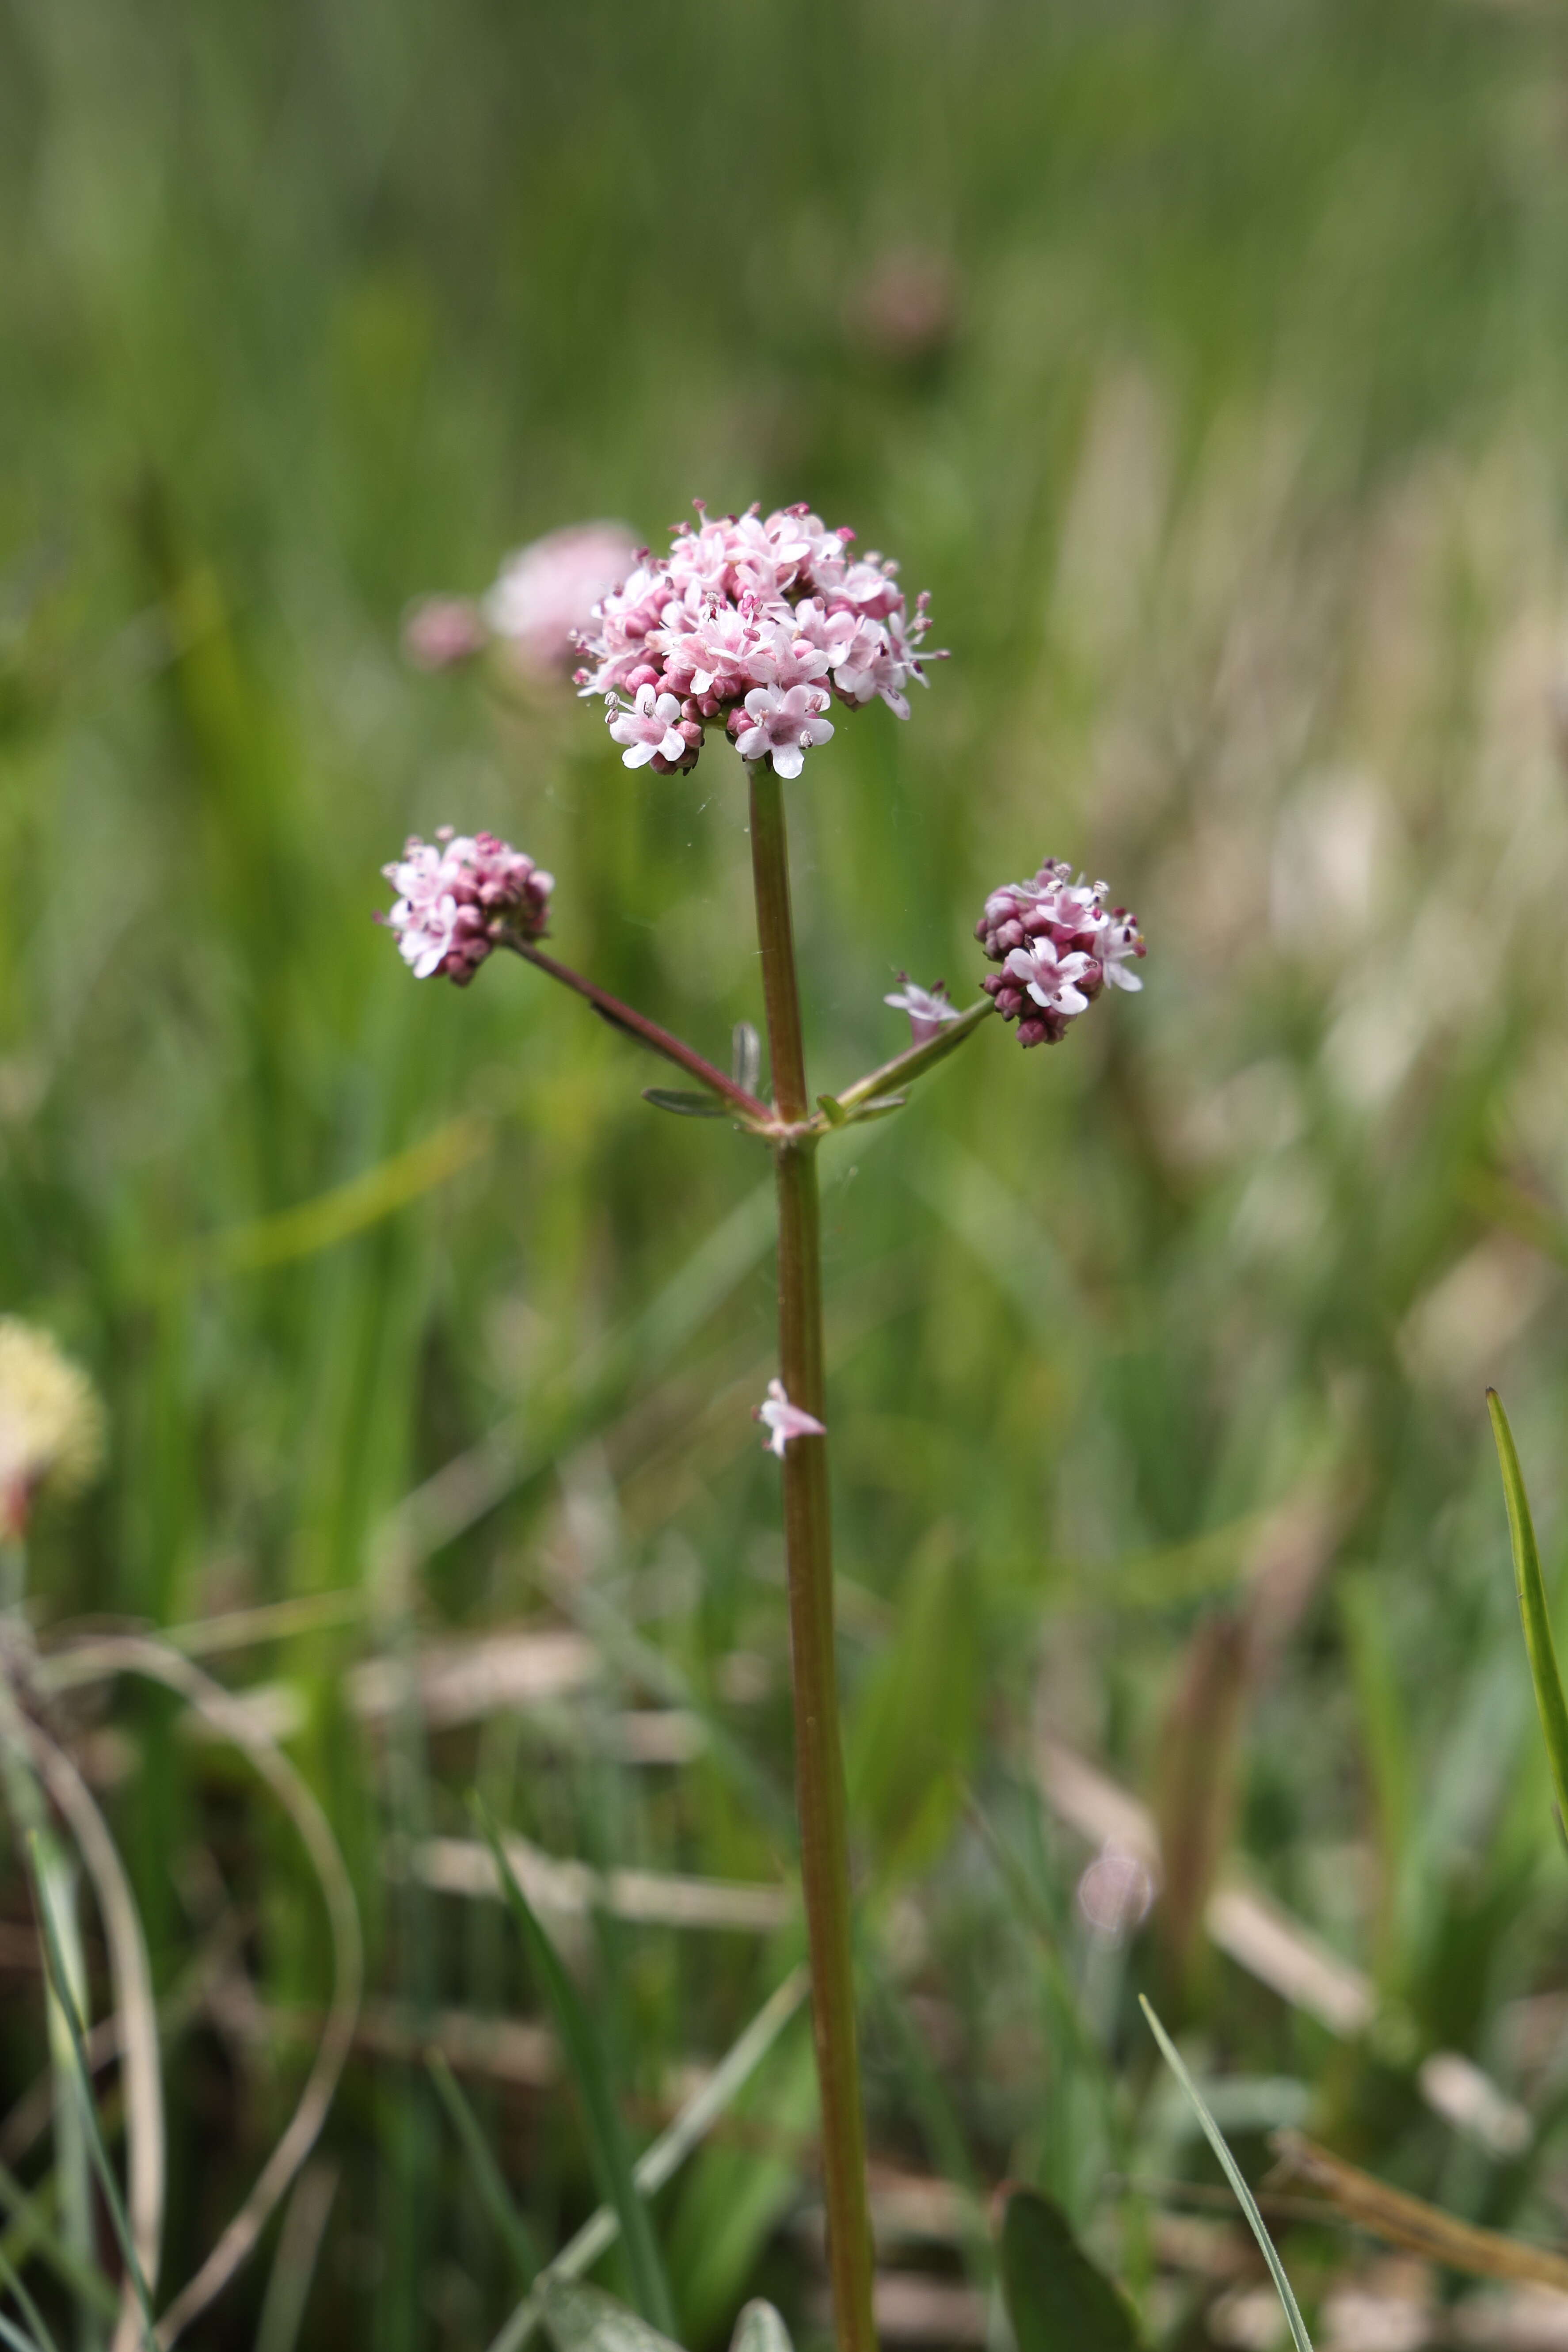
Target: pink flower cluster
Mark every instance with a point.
(1059, 945)
(459, 896)
(754, 622)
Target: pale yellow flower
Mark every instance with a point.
(51, 1422)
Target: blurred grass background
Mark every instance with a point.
(1207, 363)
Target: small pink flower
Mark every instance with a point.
(648, 728)
(783, 1420)
(928, 1008)
(1052, 980)
(1121, 939)
(785, 724)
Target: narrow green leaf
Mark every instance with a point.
(489, 2186)
(832, 1110)
(1057, 2300)
(585, 2319)
(1533, 1607)
(1232, 2172)
(760, 2329)
(60, 1986)
(879, 1107)
(607, 2133)
(12, 2280)
(12, 2336)
(30, 2232)
(683, 1104)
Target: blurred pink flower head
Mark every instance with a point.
(544, 595)
(905, 308)
(757, 624)
(459, 896)
(1059, 946)
(929, 1009)
(441, 632)
(783, 1421)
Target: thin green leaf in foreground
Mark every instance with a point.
(1533, 1606)
(1057, 2300)
(1232, 2171)
(59, 1984)
(489, 2186)
(612, 2152)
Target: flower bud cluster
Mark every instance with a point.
(1059, 945)
(756, 624)
(459, 896)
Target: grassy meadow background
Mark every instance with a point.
(1209, 364)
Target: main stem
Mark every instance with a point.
(808, 1543)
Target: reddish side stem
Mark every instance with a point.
(623, 1016)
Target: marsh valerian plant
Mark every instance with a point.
(759, 626)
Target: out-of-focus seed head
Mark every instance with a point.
(51, 1423)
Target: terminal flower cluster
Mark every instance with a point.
(1059, 945)
(459, 896)
(753, 623)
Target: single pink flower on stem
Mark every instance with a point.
(930, 1008)
(783, 1421)
(787, 722)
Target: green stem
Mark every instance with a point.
(808, 1541)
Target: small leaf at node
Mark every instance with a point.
(833, 1110)
(746, 1057)
(1057, 2300)
(685, 1106)
(881, 1106)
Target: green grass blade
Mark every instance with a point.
(665, 2158)
(12, 2334)
(31, 2231)
(60, 1986)
(1232, 2171)
(12, 2280)
(1057, 2300)
(607, 2133)
(1539, 1642)
(490, 2189)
